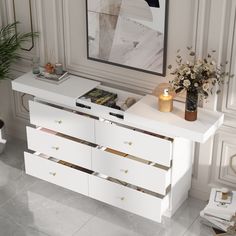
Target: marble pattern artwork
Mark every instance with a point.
(128, 33)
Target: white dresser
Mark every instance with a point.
(139, 160)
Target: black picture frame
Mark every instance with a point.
(165, 37)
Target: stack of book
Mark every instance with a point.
(100, 96)
(220, 213)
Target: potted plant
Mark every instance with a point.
(197, 77)
(10, 44)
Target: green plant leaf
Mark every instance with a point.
(10, 45)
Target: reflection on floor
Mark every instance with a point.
(31, 207)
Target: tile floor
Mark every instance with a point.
(31, 207)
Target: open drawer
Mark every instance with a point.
(57, 145)
(106, 102)
(135, 142)
(133, 200)
(43, 167)
(132, 170)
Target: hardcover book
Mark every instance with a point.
(100, 96)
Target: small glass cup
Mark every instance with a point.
(36, 65)
(58, 69)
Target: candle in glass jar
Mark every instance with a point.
(165, 103)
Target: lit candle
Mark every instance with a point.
(165, 103)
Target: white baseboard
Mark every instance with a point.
(199, 194)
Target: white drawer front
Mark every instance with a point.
(59, 147)
(62, 121)
(55, 173)
(130, 171)
(135, 143)
(128, 199)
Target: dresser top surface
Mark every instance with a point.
(173, 123)
(70, 89)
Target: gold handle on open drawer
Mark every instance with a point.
(58, 121)
(55, 148)
(124, 171)
(128, 143)
(53, 173)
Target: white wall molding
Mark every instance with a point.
(51, 31)
(222, 171)
(21, 105)
(229, 100)
(214, 23)
(24, 17)
(203, 152)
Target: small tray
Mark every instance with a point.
(53, 78)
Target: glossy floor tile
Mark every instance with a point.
(116, 222)
(13, 180)
(32, 207)
(198, 229)
(9, 227)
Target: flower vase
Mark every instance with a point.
(191, 105)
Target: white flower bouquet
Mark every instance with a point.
(198, 75)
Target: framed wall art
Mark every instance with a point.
(128, 33)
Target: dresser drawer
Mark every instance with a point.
(55, 173)
(131, 171)
(46, 142)
(62, 121)
(145, 146)
(128, 199)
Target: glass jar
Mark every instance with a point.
(36, 65)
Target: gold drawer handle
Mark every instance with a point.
(128, 143)
(56, 148)
(58, 121)
(125, 171)
(53, 173)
